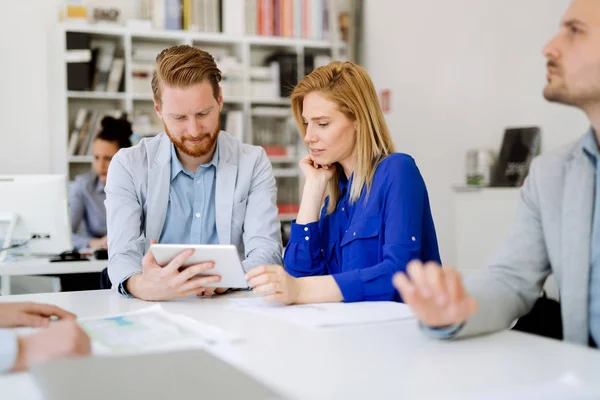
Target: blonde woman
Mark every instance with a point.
(365, 210)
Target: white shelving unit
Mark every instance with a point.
(284, 159)
(73, 94)
(247, 49)
(81, 159)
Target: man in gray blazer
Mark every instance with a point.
(192, 184)
(557, 228)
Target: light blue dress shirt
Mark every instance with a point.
(590, 147)
(8, 350)
(86, 207)
(191, 215)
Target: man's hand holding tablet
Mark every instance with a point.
(170, 281)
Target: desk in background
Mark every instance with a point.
(42, 266)
(391, 360)
(483, 219)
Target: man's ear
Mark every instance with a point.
(157, 108)
(220, 99)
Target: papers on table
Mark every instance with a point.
(150, 330)
(327, 315)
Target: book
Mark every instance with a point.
(106, 53)
(213, 18)
(158, 14)
(297, 18)
(78, 124)
(251, 17)
(116, 75)
(277, 18)
(187, 14)
(78, 59)
(83, 133)
(89, 134)
(173, 12)
(234, 18)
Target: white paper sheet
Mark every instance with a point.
(149, 330)
(327, 315)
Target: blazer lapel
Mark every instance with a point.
(577, 212)
(224, 190)
(159, 184)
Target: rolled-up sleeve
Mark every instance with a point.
(304, 252)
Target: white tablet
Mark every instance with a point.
(226, 259)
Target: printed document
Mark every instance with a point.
(327, 315)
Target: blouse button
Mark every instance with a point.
(354, 234)
(306, 238)
(413, 239)
(306, 229)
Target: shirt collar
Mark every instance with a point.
(99, 188)
(590, 144)
(344, 183)
(177, 167)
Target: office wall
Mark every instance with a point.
(460, 71)
(27, 63)
(24, 102)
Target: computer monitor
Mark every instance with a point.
(40, 205)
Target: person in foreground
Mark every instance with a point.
(376, 215)
(192, 184)
(63, 339)
(557, 228)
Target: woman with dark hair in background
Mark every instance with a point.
(86, 198)
(86, 195)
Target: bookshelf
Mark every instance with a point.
(75, 94)
(262, 118)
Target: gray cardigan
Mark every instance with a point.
(551, 234)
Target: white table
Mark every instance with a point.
(43, 266)
(391, 360)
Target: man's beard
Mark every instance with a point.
(556, 90)
(204, 147)
(558, 94)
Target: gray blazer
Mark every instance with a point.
(137, 196)
(551, 234)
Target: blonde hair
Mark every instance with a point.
(350, 87)
(183, 66)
